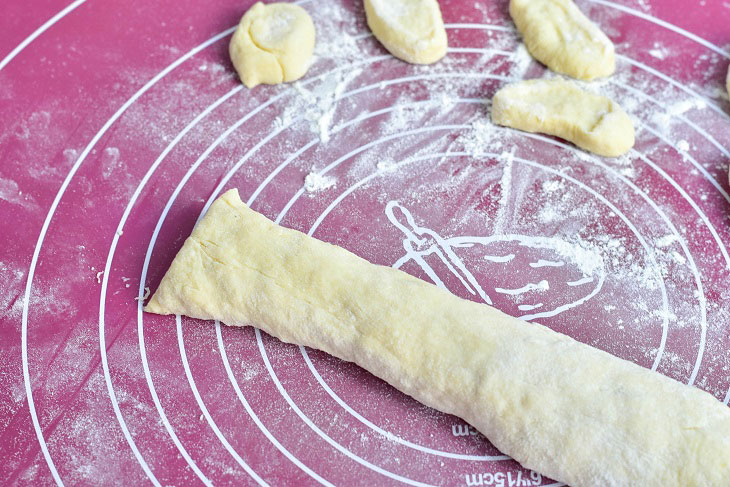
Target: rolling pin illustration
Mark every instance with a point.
(533, 260)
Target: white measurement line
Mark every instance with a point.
(11, 55)
(669, 26)
(204, 409)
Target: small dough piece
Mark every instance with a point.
(412, 30)
(272, 44)
(558, 406)
(558, 35)
(560, 107)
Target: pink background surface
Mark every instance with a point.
(112, 107)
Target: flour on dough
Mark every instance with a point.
(558, 406)
(272, 44)
(559, 107)
(412, 30)
(558, 35)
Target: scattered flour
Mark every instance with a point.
(667, 240)
(483, 137)
(314, 182)
(658, 51)
(144, 296)
(386, 165)
(521, 61)
(317, 104)
(11, 193)
(110, 162)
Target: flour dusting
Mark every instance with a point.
(314, 182)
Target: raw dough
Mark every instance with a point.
(558, 406)
(411, 30)
(272, 44)
(558, 34)
(559, 107)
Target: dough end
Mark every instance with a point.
(155, 307)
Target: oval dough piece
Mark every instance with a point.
(558, 35)
(412, 30)
(272, 44)
(559, 107)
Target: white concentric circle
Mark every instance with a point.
(664, 24)
(11, 55)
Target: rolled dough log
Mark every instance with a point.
(272, 44)
(558, 34)
(559, 107)
(558, 406)
(411, 30)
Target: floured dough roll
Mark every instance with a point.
(556, 405)
(272, 44)
(558, 35)
(412, 30)
(561, 108)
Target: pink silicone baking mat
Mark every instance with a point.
(121, 121)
